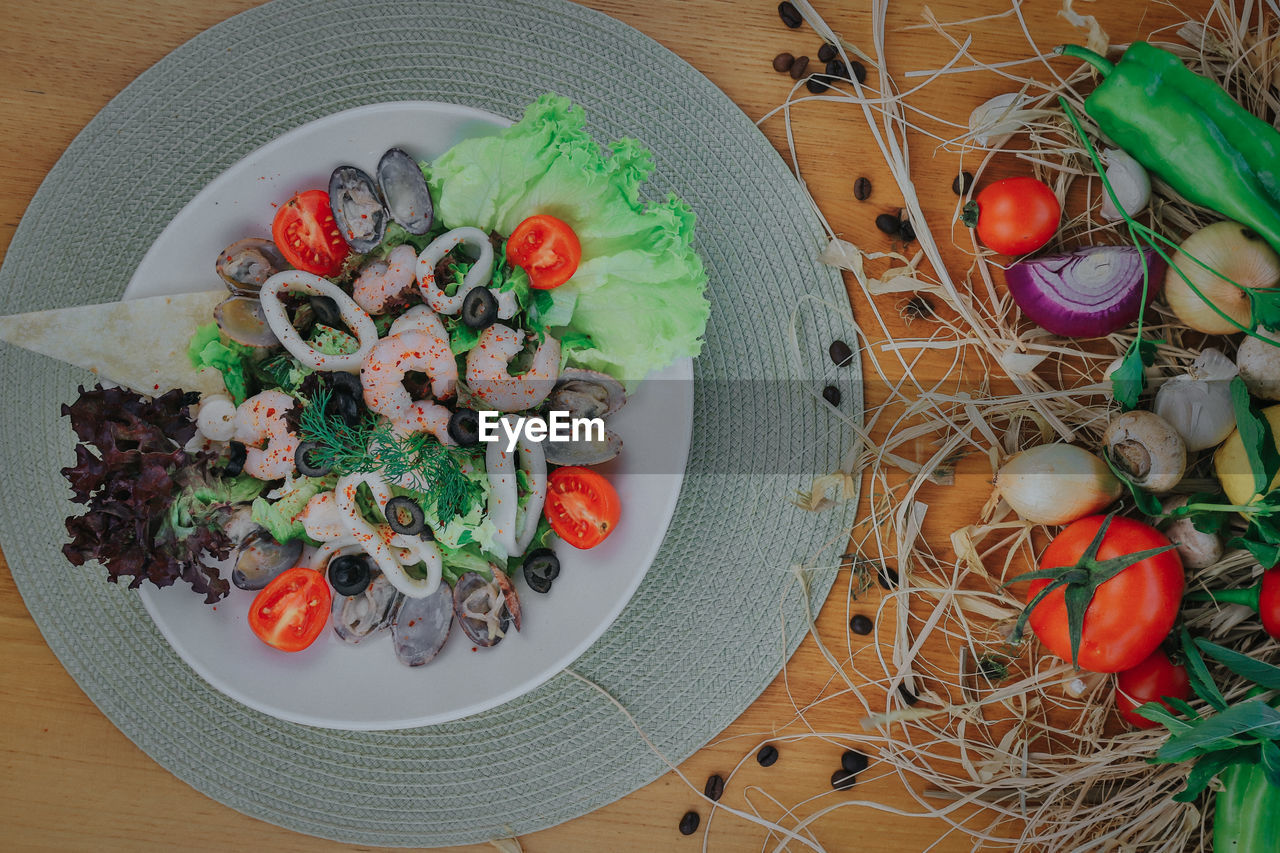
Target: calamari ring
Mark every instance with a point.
(356, 318)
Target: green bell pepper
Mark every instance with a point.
(1189, 131)
(1247, 817)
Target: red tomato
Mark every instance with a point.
(306, 234)
(547, 249)
(291, 611)
(1150, 681)
(1130, 614)
(582, 506)
(1269, 601)
(1016, 215)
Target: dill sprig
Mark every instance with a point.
(371, 445)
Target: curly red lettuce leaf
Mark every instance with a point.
(131, 472)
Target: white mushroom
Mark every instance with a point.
(1147, 449)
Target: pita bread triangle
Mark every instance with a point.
(138, 343)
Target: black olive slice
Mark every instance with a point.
(238, 453)
(405, 516)
(479, 308)
(541, 567)
(305, 460)
(350, 574)
(464, 427)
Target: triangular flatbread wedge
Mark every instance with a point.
(139, 343)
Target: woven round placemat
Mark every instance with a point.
(700, 639)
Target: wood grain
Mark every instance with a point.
(72, 781)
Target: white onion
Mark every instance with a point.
(1232, 250)
(1056, 483)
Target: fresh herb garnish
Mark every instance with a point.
(415, 461)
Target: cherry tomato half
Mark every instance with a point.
(291, 611)
(1150, 681)
(306, 234)
(1130, 614)
(582, 506)
(547, 249)
(1016, 215)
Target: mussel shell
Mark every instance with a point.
(583, 452)
(405, 192)
(260, 559)
(247, 263)
(241, 319)
(357, 208)
(586, 394)
(422, 625)
(477, 630)
(356, 617)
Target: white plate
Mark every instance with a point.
(335, 685)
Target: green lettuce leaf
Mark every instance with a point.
(280, 517)
(639, 292)
(234, 361)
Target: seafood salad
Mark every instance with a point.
(349, 474)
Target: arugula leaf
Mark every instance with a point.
(1266, 555)
(1259, 672)
(1202, 683)
(1253, 719)
(1129, 380)
(1255, 431)
(1157, 713)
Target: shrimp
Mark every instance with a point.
(260, 419)
(382, 282)
(382, 376)
(357, 320)
(487, 372)
(382, 544)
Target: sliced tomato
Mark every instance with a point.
(547, 249)
(582, 506)
(291, 611)
(306, 234)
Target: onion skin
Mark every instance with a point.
(1057, 484)
(1087, 293)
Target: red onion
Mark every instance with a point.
(1087, 293)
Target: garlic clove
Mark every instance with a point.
(1198, 404)
(994, 121)
(1259, 364)
(1129, 181)
(1198, 550)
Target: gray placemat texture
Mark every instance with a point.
(701, 638)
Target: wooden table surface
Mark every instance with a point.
(72, 781)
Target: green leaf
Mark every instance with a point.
(1181, 706)
(1157, 713)
(1209, 766)
(1265, 307)
(1202, 683)
(1259, 672)
(1271, 762)
(1266, 554)
(1255, 719)
(1255, 431)
(1129, 380)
